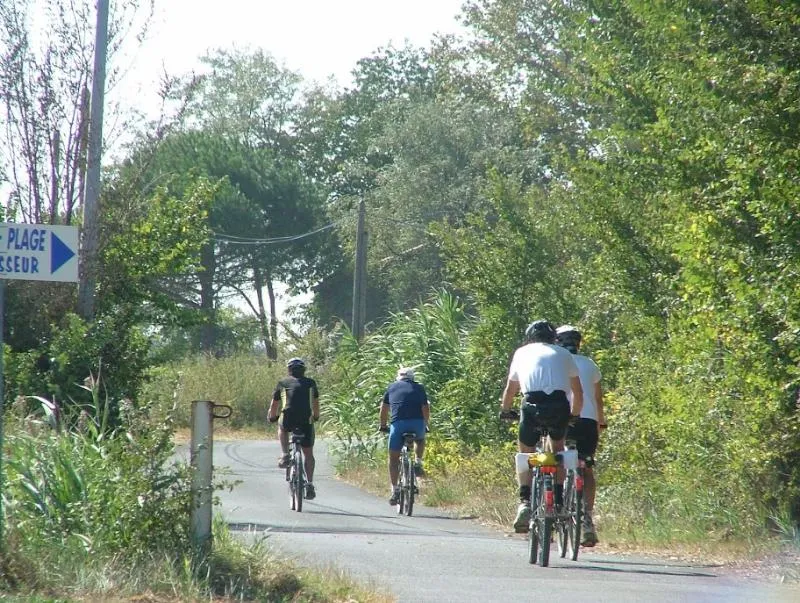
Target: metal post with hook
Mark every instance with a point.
(201, 460)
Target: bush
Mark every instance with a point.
(84, 492)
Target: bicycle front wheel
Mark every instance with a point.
(574, 521)
(562, 525)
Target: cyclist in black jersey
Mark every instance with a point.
(297, 398)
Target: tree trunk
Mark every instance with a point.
(258, 284)
(273, 319)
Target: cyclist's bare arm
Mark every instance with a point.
(426, 414)
(601, 413)
(577, 395)
(273, 409)
(315, 408)
(384, 414)
(510, 391)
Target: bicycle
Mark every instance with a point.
(570, 521)
(545, 517)
(296, 472)
(407, 480)
(544, 465)
(407, 477)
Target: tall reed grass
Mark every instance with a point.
(245, 382)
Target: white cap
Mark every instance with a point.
(405, 372)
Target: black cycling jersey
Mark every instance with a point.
(296, 395)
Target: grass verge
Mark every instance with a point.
(235, 572)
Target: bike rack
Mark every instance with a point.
(201, 448)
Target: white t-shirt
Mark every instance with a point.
(543, 367)
(589, 374)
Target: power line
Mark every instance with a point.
(236, 240)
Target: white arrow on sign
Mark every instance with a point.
(38, 252)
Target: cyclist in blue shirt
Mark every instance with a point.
(406, 403)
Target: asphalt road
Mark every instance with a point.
(436, 557)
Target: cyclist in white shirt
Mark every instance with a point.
(544, 373)
(586, 431)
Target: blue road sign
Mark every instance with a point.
(38, 252)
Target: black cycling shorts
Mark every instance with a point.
(304, 424)
(540, 410)
(586, 434)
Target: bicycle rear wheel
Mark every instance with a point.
(533, 533)
(545, 528)
(401, 483)
(409, 469)
(299, 483)
(291, 480)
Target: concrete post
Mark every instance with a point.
(201, 461)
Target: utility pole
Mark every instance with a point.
(360, 276)
(86, 290)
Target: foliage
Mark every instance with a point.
(81, 491)
(429, 338)
(109, 352)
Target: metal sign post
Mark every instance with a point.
(2, 408)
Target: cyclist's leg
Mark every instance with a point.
(308, 450)
(586, 438)
(284, 429)
(395, 445)
(528, 436)
(586, 432)
(418, 427)
(558, 423)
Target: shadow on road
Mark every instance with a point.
(631, 570)
(295, 529)
(659, 564)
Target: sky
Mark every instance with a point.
(318, 38)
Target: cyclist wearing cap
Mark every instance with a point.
(586, 431)
(407, 403)
(298, 398)
(544, 373)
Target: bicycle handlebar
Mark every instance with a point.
(509, 415)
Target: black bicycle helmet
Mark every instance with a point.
(540, 331)
(568, 337)
(296, 366)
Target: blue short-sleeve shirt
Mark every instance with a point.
(405, 399)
